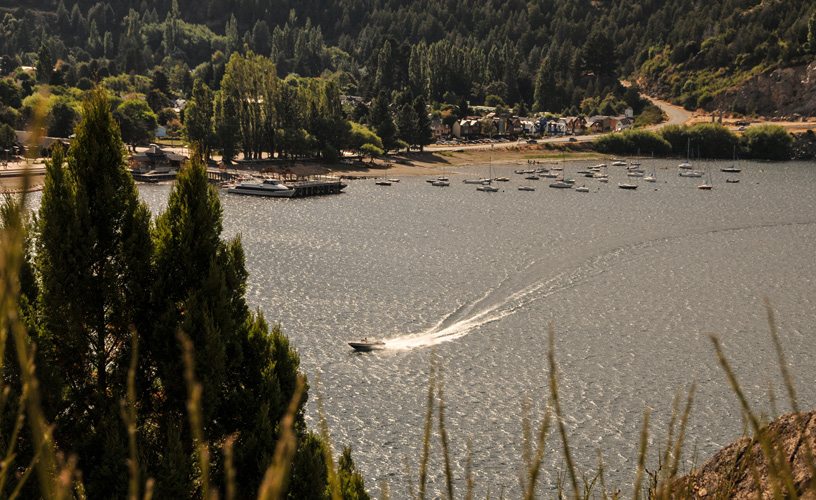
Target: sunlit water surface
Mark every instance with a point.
(633, 282)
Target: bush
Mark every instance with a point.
(707, 140)
(767, 142)
(629, 142)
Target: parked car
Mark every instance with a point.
(573, 139)
(532, 141)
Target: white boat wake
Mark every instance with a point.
(511, 296)
(499, 303)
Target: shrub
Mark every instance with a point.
(629, 142)
(767, 142)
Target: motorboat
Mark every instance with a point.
(366, 345)
(442, 182)
(475, 181)
(561, 185)
(582, 188)
(383, 183)
(626, 185)
(692, 173)
(732, 181)
(269, 187)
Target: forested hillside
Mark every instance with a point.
(550, 55)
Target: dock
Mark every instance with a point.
(316, 187)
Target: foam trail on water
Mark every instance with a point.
(496, 304)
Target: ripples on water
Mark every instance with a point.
(633, 282)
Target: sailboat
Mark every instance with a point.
(692, 173)
(441, 181)
(628, 185)
(651, 177)
(487, 186)
(562, 182)
(706, 185)
(526, 187)
(733, 168)
(687, 164)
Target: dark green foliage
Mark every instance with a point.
(706, 140)
(712, 140)
(93, 259)
(7, 136)
(351, 482)
(61, 118)
(137, 121)
(45, 65)
(10, 93)
(629, 142)
(423, 135)
(198, 118)
(767, 142)
(309, 472)
(650, 115)
(380, 118)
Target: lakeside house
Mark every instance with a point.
(439, 129)
(467, 128)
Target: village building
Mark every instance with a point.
(45, 145)
(467, 128)
(155, 164)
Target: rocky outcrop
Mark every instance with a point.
(781, 93)
(804, 146)
(733, 472)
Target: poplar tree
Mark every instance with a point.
(380, 118)
(93, 259)
(198, 116)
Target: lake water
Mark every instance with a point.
(633, 282)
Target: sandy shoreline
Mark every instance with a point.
(436, 161)
(430, 162)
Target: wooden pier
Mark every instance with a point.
(316, 187)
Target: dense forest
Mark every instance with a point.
(552, 55)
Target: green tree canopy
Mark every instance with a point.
(198, 118)
(137, 121)
(768, 142)
(93, 260)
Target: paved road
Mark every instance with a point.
(676, 114)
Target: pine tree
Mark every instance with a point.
(248, 373)
(93, 259)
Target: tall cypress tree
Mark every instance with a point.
(247, 372)
(94, 263)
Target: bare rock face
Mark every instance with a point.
(782, 93)
(734, 471)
